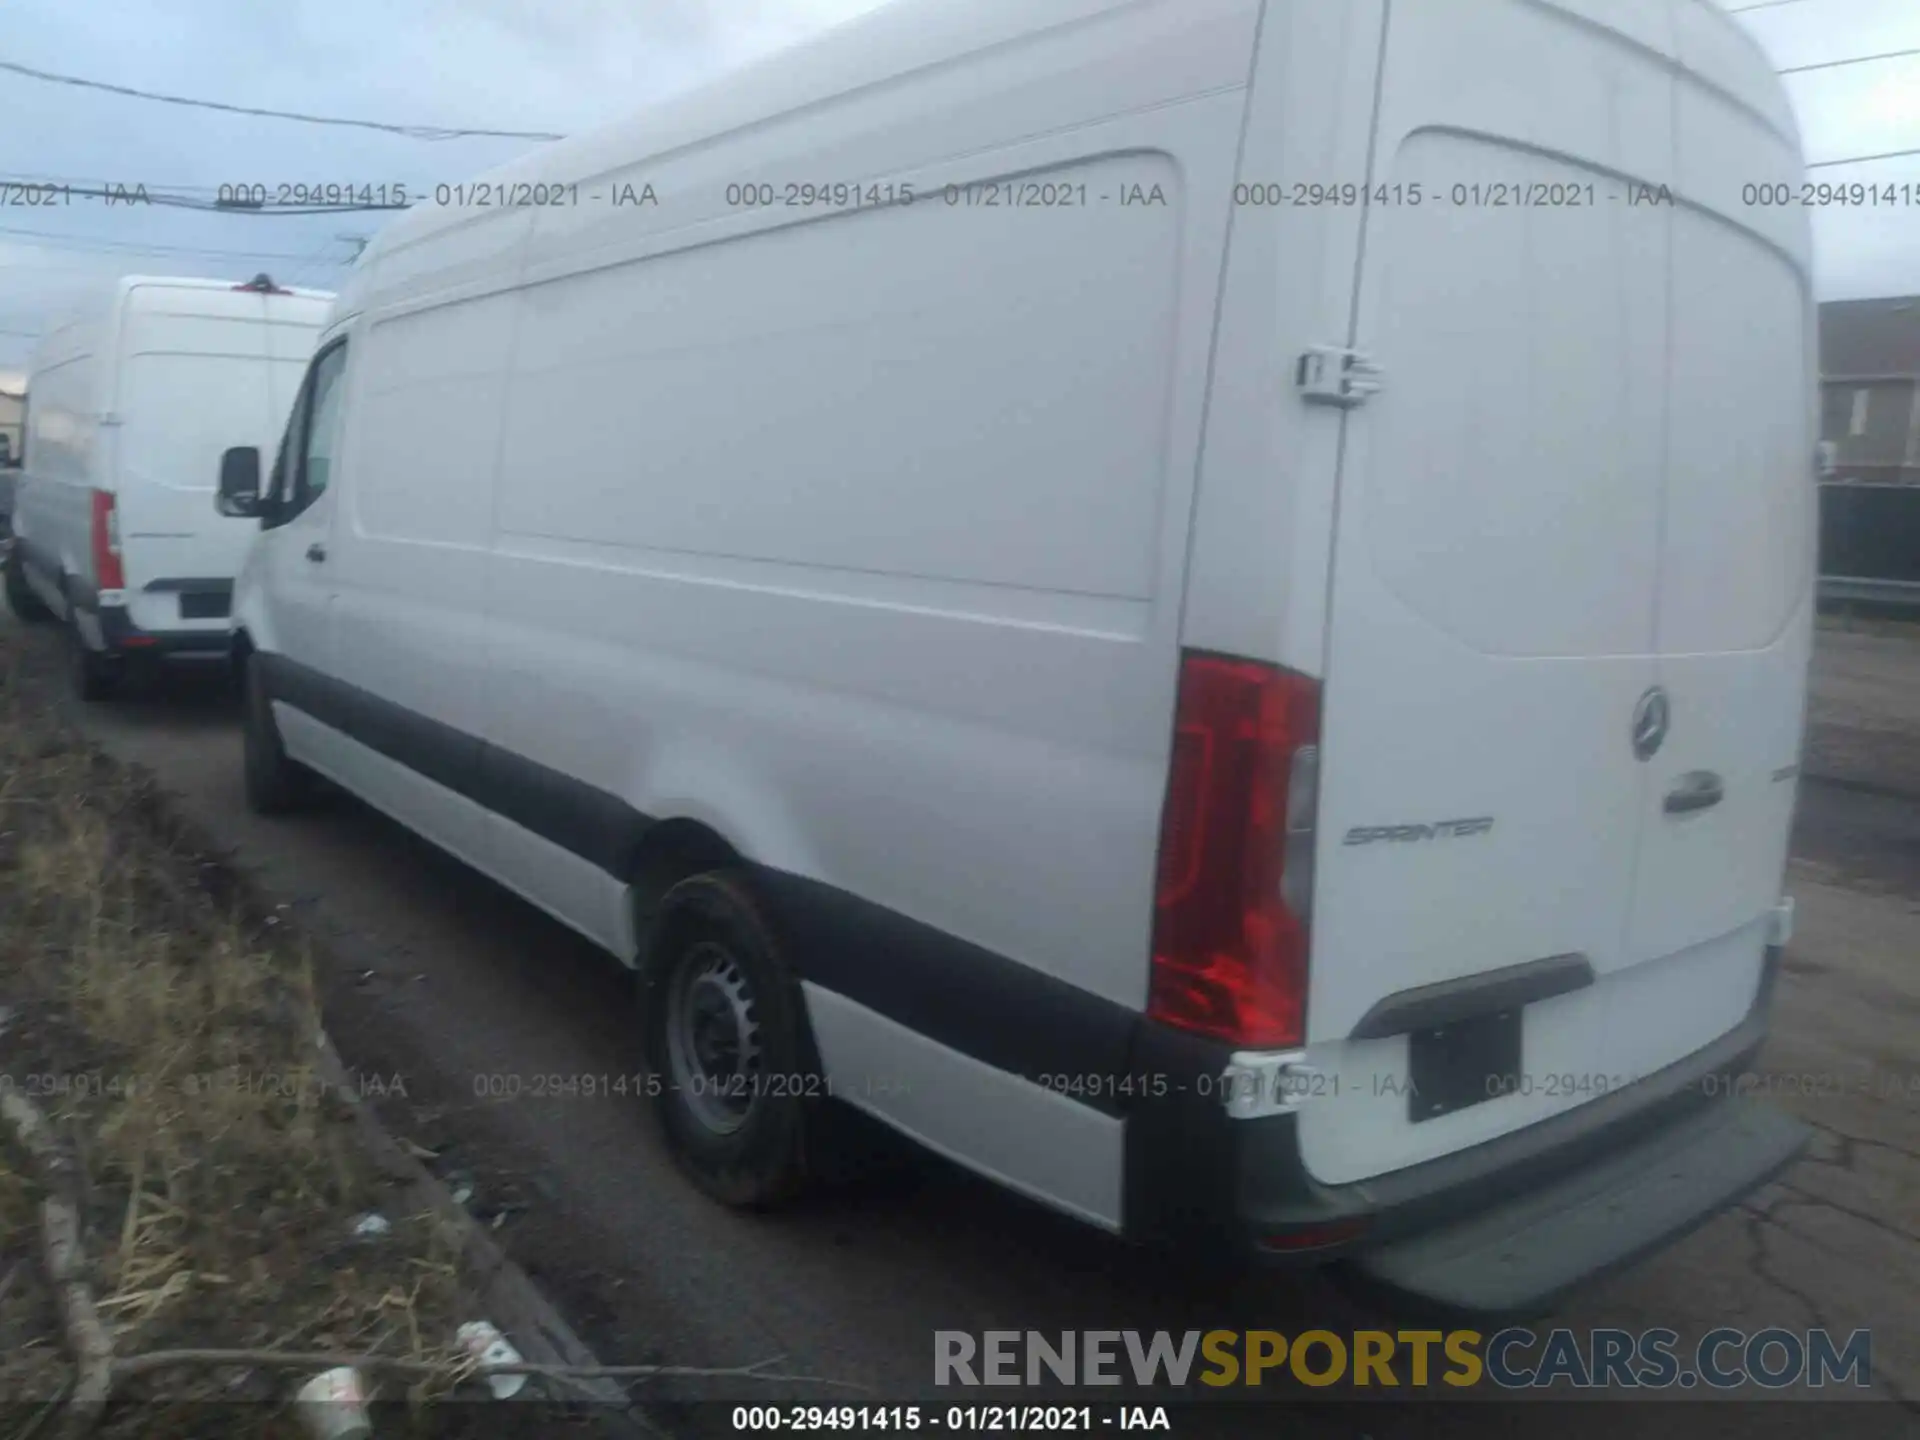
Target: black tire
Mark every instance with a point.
(276, 784)
(94, 676)
(739, 1118)
(20, 597)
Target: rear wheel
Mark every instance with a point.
(20, 597)
(740, 1093)
(276, 784)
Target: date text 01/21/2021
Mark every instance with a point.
(1004, 1419)
(646, 1086)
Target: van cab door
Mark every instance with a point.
(297, 589)
(1567, 566)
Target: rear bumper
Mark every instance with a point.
(106, 623)
(1515, 1259)
(1658, 1157)
(110, 630)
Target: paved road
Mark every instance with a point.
(445, 981)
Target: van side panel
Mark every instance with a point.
(939, 700)
(959, 459)
(860, 535)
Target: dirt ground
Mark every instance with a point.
(1864, 711)
(471, 995)
(160, 1019)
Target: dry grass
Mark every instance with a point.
(168, 1027)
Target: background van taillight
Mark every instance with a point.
(107, 572)
(1236, 852)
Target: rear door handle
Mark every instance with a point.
(1697, 790)
(316, 552)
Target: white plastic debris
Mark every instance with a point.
(487, 1345)
(371, 1225)
(333, 1405)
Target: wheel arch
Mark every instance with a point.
(671, 850)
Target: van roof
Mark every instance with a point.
(127, 284)
(105, 301)
(902, 37)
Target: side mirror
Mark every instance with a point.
(240, 483)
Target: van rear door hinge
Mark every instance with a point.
(1333, 375)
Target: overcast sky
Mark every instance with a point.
(563, 65)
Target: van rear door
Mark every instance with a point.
(201, 371)
(1565, 576)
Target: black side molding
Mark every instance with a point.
(982, 1004)
(1427, 1007)
(600, 828)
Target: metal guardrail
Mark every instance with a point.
(1861, 590)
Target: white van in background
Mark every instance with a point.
(1201, 604)
(134, 398)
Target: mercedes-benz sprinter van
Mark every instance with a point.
(134, 399)
(1202, 605)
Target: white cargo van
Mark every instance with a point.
(1201, 604)
(135, 397)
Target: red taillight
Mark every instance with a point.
(107, 574)
(1315, 1237)
(1230, 931)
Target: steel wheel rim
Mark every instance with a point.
(713, 1038)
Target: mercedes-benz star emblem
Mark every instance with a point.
(1650, 719)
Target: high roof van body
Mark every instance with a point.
(1201, 604)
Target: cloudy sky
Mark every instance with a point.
(538, 65)
(562, 65)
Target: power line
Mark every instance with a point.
(1761, 5)
(136, 247)
(138, 192)
(1857, 60)
(13, 267)
(319, 257)
(414, 132)
(1861, 159)
(58, 181)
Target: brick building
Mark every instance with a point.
(1869, 382)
